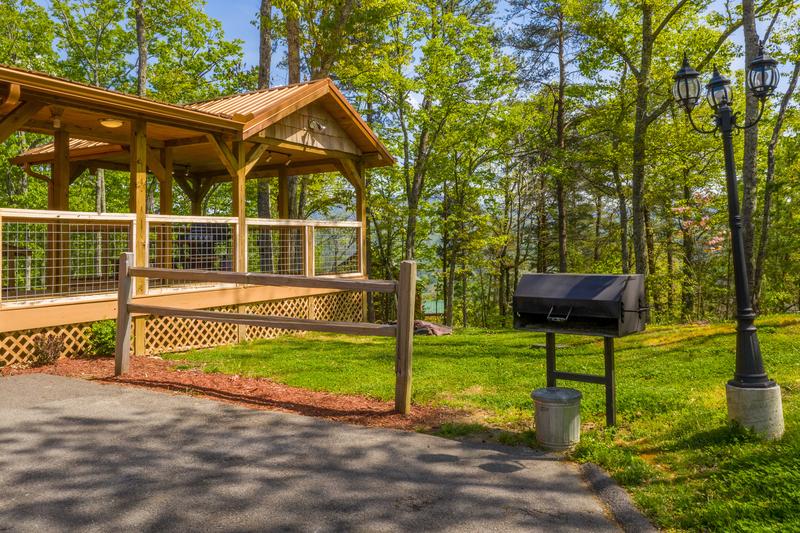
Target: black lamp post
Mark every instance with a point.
(762, 79)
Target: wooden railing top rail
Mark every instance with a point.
(46, 214)
(36, 214)
(302, 223)
(253, 278)
(192, 219)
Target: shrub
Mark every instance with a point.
(102, 339)
(46, 349)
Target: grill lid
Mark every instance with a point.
(589, 294)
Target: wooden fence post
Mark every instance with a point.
(406, 291)
(125, 293)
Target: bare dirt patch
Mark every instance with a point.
(255, 393)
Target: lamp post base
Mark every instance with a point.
(759, 409)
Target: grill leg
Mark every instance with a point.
(550, 357)
(611, 382)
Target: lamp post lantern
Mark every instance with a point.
(754, 400)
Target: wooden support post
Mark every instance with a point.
(611, 382)
(309, 267)
(239, 206)
(138, 205)
(550, 358)
(122, 355)
(406, 291)
(61, 171)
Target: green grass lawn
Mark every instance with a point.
(673, 449)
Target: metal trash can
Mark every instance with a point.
(557, 417)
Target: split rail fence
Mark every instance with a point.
(403, 331)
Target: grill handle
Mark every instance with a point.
(551, 318)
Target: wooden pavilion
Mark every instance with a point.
(68, 277)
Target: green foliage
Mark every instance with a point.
(102, 339)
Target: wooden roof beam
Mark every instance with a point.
(9, 97)
(351, 171)
(15, 120)
(253, 157)
(32, 173)
(224, 153)
(155, 166)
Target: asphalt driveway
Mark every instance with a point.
(76, 455)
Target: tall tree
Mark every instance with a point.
(642, 35)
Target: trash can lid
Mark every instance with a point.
(556, 395)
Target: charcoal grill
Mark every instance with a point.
(602, 305)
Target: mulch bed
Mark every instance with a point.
(255, 393)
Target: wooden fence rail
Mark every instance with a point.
(403, 331)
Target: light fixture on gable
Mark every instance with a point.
(316, 125)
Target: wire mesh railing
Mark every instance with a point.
(190, 243)
(46, 255)
(336, 250)
(58, 254)
(275, 250)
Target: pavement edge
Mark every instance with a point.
(616, 500)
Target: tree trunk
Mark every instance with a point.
(639, 133)
(415, 184)
(263, 199)
(292, 46)
(749, 158)
(265, 44)
(141, 46)
(622, 206)
(464, 296)
(598, 210)
(689, 277)
(100, 191)
(769, 185)
(293, 64)
(541, 228)
(670, 274)
(560, 145)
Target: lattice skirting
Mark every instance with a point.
(17, 346)
(170, 334)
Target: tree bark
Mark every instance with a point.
(265, 44)
(598, 210)
(141, 46)
(769, 185)
(689, 279)
(639, 133)
(541, 228)
(560, 145)
(749, 158)
(622, 207)
(293, 63)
